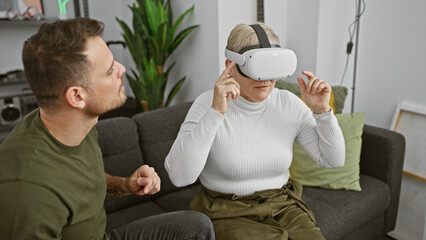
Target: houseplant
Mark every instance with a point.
(151, 42)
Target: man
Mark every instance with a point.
(52, 180)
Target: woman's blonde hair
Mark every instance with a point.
(243, 36)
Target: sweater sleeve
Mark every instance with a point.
(321, 137)
(191, 148)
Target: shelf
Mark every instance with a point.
(12, 83)
(23, 23)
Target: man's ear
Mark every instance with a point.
(76, 97)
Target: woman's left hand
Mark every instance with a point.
(316, 93)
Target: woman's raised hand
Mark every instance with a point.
(316, 93)
(224, 87)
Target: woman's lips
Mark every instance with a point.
(262, 87)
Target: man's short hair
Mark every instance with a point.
(54, 61)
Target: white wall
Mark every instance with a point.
(197, 56)
(391, 60)
(301, 33)
(334, 19)
(230, 14)
(278, 19)
(11, 42)
(112, 31)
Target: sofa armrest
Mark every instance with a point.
(382, 157)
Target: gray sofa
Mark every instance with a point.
(146, 138)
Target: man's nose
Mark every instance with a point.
(121, 68)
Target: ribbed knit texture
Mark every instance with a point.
(250, 147)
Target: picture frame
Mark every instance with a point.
(21, 9)
(23, 5)
(410, 120)
(5, 5)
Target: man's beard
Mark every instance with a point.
(98, 106)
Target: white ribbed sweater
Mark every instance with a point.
(250, 148)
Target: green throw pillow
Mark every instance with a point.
(338, 98)
(340, 93)
(308, 173)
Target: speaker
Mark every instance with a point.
(10, 111)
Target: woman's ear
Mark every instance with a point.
(76, 97)
(227, 62)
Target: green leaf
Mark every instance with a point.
(166, 75)
(162, 14)
(169, 69)
(150, 71)
(150, 42)
(155, 51)
(169, 13)
(152, 16)
(179, 38)
(127, 33)
(134, 84)
(124, 27)
(139, 48)
(140, 22)
(162, 39)
(179, 20)
(141, 86)
(174, 90)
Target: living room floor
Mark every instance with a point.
(386, 238)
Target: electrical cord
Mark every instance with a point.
(351, 29)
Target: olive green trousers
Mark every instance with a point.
(269, 214)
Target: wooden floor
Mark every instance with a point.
(386, 238)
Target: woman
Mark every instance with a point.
(238, 139)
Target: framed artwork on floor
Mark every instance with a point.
(410, 121)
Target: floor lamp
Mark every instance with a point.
(358, 17)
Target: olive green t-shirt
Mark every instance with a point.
(49, 190)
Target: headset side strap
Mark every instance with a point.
(235, 57)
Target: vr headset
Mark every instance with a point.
(264, 61)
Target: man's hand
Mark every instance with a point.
(144, 181)
(316, 93)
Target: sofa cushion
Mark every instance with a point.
(338, 212)
(119, 143)
(179, 200)
(158, 130)
(371, 230)
(125, 216)
(308, 173)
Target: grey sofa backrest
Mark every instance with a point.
(119, 142)
(157, 131)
